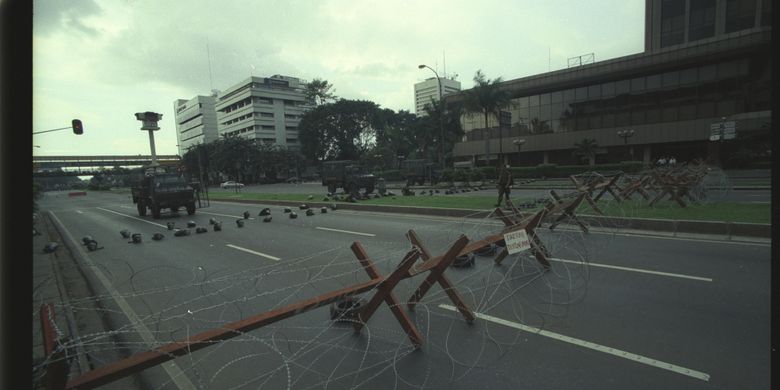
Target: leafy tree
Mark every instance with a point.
(586, 150)
(430, 132)
(486, 97)
(319, 91)
(343, 130)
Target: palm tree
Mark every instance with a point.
(486, 97)
(586, 150)
(318, 90)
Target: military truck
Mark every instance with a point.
(419, 171)
(347, 174)
(163, 191)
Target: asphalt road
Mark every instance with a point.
(617, 311)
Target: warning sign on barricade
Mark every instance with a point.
(517, 241)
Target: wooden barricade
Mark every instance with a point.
(603, 183)
(565, 209)
(636, 185)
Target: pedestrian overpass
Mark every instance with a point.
(47, 166)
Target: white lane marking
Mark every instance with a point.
(596, 347)
(254, 252)
(79, 211)
(225, 215)
(645, 271)
(173, 370)
(126, 207)
(132, 217)
(345, 231)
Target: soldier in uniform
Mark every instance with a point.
(505, 181)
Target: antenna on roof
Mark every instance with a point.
(444, 60)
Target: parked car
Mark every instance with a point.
(231, 184)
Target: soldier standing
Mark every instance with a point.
(505, 181)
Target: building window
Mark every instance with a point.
(621, 87)
(672, 22)
(688, 76)
(669, 114)
(740, 14)
(581, 94)
(638, 85)
(670, 80)
(267, 114)
(608, 89)
(701, 23)
(544, 98)
(266, 127)
(766, 12)
(594, 91)
(556, 97)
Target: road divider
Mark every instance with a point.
(274, 258)
(587, 344)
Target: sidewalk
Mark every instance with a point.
(59, 280)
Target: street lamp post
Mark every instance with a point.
(626, 134)
(441, 116)
(519, 142)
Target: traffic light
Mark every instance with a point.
(77, 127)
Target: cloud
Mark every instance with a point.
(53, 15)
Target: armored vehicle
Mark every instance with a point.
(163, 191)
(348, 175)
(419, 171)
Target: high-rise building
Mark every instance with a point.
(196, 122)
(428, 90)
(267, 109)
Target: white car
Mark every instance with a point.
(231, 184)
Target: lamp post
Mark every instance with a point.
(626, 134)
(441, 117)
(519, 142)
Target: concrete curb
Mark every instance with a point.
(729, 229)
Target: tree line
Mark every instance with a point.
(344, 129)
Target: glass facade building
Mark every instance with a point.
(671, 96)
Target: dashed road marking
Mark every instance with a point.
(345, 231)
(225, 215)
(587, 344)
(132, 217)
(79, 211)
(274, 258)
(645, 271)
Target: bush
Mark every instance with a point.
(476, 175)
(546, 170)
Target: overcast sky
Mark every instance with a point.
(103, 61)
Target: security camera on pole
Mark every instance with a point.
(149, 122)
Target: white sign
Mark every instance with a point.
(517, 242)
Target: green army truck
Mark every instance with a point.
(347, 174)
(163, 191)
(419, 171)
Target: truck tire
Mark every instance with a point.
(190, 208)
(332, 188)
(369, 188)
(141, 208)
(155, 211)
(353, 189)
(421, 181)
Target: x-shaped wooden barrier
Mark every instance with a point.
(566, 210)
(530, 223)
(636, 185)
(605, 183)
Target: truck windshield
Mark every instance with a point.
(170, 181)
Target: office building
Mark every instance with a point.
(428, 90)
(707, 67)
(196, 122)
(267, 109)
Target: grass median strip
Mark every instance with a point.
(708, 211)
